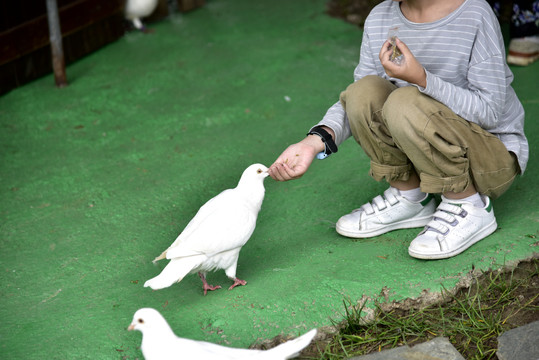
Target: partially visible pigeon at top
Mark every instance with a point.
(135, 10)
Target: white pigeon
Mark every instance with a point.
(160, 343)
(137, 9)
(214, 237)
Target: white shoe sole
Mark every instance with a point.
(521, 60)
(404, 224)
(480, 235)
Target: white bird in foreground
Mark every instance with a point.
(137, 9)
(213, 238)
(160, 343)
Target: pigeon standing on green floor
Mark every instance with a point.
(160, 343)
(214, 237)
(135, 10)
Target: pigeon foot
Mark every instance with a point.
(205, 284)
(209, 287)
(237, 282)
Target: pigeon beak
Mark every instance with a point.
(131, 327)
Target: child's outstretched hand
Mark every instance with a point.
(296, 159)
(409, 69)
(293, 162)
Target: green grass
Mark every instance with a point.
(471, 317)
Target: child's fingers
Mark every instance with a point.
(403, 48)
(385, 51)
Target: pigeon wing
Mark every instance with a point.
(224, 223)
(200, 216)
(289, 349)
(208, 351)
(221, 201)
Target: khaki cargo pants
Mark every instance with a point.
(402, 130)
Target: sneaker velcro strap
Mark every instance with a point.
(367, 208)
(438, 227)
(450, 208)
(379, 202)
(448, 218)
(390, 197)
(446, 212)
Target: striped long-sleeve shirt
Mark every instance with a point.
(464, 58)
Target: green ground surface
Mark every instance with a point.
(98, 178)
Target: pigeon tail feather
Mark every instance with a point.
(160, 257)
(292, 348)
(174, 272)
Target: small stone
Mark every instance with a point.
(391, 354)
(521, 343)
(436, 349)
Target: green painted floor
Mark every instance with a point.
(98, 178)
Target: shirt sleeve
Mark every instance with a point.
(335, 118)
(482, 100)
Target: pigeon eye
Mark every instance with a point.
(140, 321)
(259, 171)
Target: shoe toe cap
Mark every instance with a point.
(425, 244)
(349, 222)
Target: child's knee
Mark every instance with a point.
(367, 90)
(400, 100)
(397, 108)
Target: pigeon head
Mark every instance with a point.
(251, 183)
(253, 177)
(255, 171)
(148, 319)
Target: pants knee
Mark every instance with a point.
(396, 111)
(366, 90)
(365, 98)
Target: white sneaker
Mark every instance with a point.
(387, 213)
(453, 229)
(523, 51)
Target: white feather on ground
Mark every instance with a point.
(214, 237)
(160, 343)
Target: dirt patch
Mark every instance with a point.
(510, 294)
